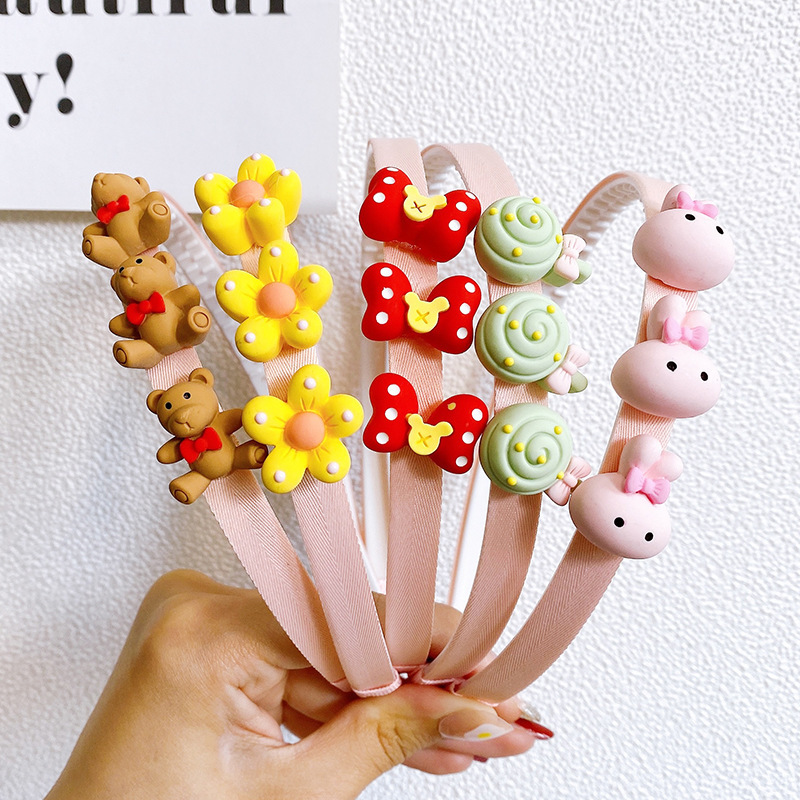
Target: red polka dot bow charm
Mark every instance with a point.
(396, 211)
(443, 320)
(448, 436)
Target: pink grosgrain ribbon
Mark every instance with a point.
(696, 338)
(656, 490)
(685, 201)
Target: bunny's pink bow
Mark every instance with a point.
(673, 331)
(560, 381)
(656, 490)
(685, 201)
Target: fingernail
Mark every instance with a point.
(539, 731)
(480, 759)
(528, 710)
(473, 726)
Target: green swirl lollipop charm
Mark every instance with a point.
(518, 240)
(524, 337)
(526, 448)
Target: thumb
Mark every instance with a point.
(372, 735)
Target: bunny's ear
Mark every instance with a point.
(671, 200)
(670, 306)
(669, 466)
(642, 451)
(697, 319)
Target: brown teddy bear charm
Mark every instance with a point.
(202, 435)
(131, 219)
(160, 317)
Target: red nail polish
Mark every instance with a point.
(539, 731)
(480, 759)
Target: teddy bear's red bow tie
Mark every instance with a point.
(107, 212)
(136, 312)
(192, 449)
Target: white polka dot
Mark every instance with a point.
(388, 180)
(461, 206)
(209, 176)
(264, 202)
(230, 286)
(302, 324)
(391, 413)
(279, 476)
(286, 172)
(310, 383)
(392, 169)
(464, 308)
(381, 318)
(477, 415)
(260, 418)
(454, 225)
(275, 251)
(387, 294)
(468, 438)
(470, 287)
(214, 210)
(313, 278)
(471, 196)
(393, 390)
(250, 337)
(461, 461)
(256, 157)
(379, 197)
(332, 468)
(462, 333)
(347, 415)
(382, 438)
(386, 272)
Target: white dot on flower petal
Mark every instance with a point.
(265, 202)
(392, 169)
(302, 325)
(313, 277)
(464, 308)
(461, 461)
(461, 206)
(470, 287)
(468, 438)
(250, 337)
(393, 390)
(310, 383)
(256, 156)
(260, 418)
(279, 476)
(286, 172)
(388, 180)
(454, 225)
(230, 286)
(391, 413)
(274, 251)
(214, 210)
(382, 438)
(471, 196)
(462, 333)
(381, 318)
(347, 415)
(379, 197)
(386, 272)
(387, 294)
(477, 415)
(332, 468)
(209, 176)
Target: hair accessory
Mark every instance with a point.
(448, 437)
(524, 337)
(306, 430)
(519, 241)
(395, 211)
(667, 375)
(684, 200)
(253, 210)
(202, 435)
(131, 219)
(160, 317)
(622, 512)
(443, 320)
(279, 306)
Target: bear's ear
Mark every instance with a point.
(153, 398)
(202, 375)
(144, 184)
(165, 258)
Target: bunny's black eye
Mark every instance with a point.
(672, 366)
(648, 537)
(719, 230)
(168, 406)
(619, 522)
(690, 217)
(186, 395)
(703, 376)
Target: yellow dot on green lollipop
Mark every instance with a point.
(509, 217)
(560, 476)
(559, 238)
(557, 430)
(541, 460)
(509, 362)
(551, 309)
(502, 309)
(492, 211)
(519, 447)
(537, 200)
(556, 356)
(517, 251)
(511, 481)
(507, 429)
(536, 335)
(534, 219)
(514, 324)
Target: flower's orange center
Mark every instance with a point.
(305, 430)
(245, 193)
(277, 300)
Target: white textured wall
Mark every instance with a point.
(684, 684)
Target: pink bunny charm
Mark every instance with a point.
(669, 375)
(623, 512)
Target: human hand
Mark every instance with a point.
(195, 704)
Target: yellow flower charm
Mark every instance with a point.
(253, 210)
(279, 306)
(305, 431)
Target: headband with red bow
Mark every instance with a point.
(448, 436)
(395, 211)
